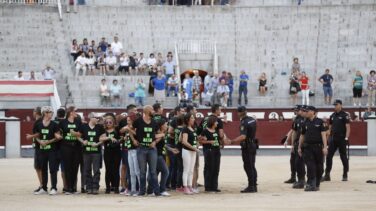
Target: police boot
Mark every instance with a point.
(311, 186)
(299, 184)
(344, 177)
(291, 180)
(249, 189)
(326, 177)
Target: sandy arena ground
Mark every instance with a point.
(18, 180)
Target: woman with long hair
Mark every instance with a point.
(112, 154)
(262, 84)
(189, 141)
(71, 149)
(212, 154)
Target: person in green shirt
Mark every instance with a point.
(357, 89)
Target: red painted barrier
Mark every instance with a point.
(26, 128)
(2, 133)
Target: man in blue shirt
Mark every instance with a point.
(243, 87)
(159, 84)
(327, 81)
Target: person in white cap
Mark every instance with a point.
(49, 134)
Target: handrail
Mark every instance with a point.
(60, 10)
(196, 46)
(177, 69)
(53, 2)
(215, 65)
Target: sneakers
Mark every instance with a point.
(187, 191)
(53, 191)
(195, 190)
(180, 190)
(122, 191)
(95, 192)
(326, 177)
(135, 194)
(165, 194)
(37, 190)
(292, 180)
(108, 191)
(40, 192)
(344, 178)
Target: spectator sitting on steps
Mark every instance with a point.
(48, 73)
(19, 76)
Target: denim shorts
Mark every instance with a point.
(328, 91)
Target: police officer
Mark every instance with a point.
(339, 127)
(249, 146)
(296, 131)
(312, 146)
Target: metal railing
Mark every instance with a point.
(37, 2)
(196, 46)
(52, 2)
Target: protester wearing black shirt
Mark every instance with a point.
(161, 162)
(48, 135)
(189, 141)
(112, 154)
(212, 154)
(71, 149)
(132, 146)
(37, 165)
(125, 177)
(313, 147)
(339, 127)
(90, 134)
(173, 158)
(147, 153)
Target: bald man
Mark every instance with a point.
(147, 155)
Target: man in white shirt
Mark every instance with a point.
(81, 63)
(115, 93)
(116, 46)
(151, 61)
(141, 63)
(19, 76)
(111, 61)
(48, 73)
(222, 92)
(173, 84)
(169, 66)
(207, 81)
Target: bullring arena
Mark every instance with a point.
(266, 55)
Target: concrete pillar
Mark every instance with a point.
(12, 137)
(371, 137)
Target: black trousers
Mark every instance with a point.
(334, 144)
(212, 158)
(112, 158)
(48, 159)
(71, 156)
(313, 157)
(299, 164)
(179, 170)
(249, 160)
(293, 156)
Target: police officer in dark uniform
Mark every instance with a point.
(296, 131)
(249, 146)
(339, 127)
(313, 147)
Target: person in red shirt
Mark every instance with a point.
(305, 88)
